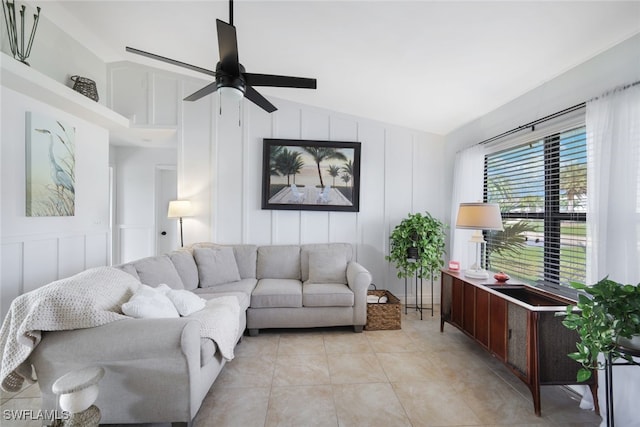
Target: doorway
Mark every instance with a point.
(166, 231)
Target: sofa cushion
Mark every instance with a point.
(150, 303)
(186, 267)
(246, 256)
(186, 302)
(128, 268)
(278, 262)
(306, 249)
(327, 295)
(327, 266)
(277, 293)
(216, 266)
(156, 270)
(243, 299)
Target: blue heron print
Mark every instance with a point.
(51, 185)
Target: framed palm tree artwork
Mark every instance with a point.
(50, 166)
(311, 175)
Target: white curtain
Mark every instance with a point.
(467, 187)
(613, 218)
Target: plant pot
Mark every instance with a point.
(412, 253)
(633, 342)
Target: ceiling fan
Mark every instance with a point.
(230, 73)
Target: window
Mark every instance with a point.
(541, 188)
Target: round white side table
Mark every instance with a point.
(78, 391)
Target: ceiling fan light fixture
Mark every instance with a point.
(231, 93)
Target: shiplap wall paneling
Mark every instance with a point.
(398, 187)
(12, 278)
(258, 221)
(71, 255)
(371, 219)
(194, 164)
(96, 250)
(228, 164)
(40, 263)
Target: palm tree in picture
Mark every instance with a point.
(346, 178)
(334, 172)
(289, 163)
(274, 153)
(320, 154)
(348, 169)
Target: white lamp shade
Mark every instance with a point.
(479, 216)
(179, 209)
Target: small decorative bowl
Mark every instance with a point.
(501, 277)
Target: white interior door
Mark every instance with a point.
(167, 230)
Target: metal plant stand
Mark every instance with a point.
(418, 293)
(608, 377)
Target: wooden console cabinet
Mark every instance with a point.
(517, 324)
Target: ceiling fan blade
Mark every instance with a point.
(252, 95)
(170, 61)
(279, 81)
(228, 48)
(210, 88)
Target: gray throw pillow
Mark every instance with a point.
(156, 270)
(327, 267)
(216, 266)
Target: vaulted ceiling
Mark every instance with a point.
(426, 65)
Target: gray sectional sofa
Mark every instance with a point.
(160, 370)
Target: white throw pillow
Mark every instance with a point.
(186, 302)
(149, 303)
(216, 266)
(327, 267)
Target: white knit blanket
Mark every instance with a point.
(219, 320)
(88, 299)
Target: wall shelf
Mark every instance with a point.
(24, 79)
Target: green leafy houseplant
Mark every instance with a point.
(425, 235)
(605, 312)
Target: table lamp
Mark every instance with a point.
(478, 217)
(179, 209)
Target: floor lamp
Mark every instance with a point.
(478, 217)
(179, 209)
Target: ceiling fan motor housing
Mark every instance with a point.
(227, 80)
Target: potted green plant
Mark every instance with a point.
(417, 245)
(606, 315)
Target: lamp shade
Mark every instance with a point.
(179, 208)
(479, 216)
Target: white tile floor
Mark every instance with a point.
(415, 376)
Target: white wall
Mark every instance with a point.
(38, 250)
(617, 66)
(220, 170)
(136, 170)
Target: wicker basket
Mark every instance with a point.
(383, 316)
(85, 86)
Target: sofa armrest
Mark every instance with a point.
(137, 354)
(359, 279)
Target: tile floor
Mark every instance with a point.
(415, 376)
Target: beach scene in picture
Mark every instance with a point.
(313, 175)
(50, 167)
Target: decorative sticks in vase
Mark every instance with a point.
(18, 45)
